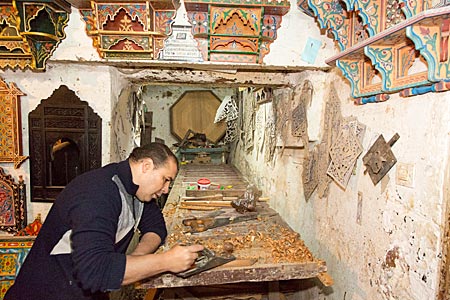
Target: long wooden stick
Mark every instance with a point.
(211, 197)
(207, 203)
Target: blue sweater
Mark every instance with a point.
(90, 207)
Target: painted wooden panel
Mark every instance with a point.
(31, 31)
(233, 31)
(129, 30)
(13, 251)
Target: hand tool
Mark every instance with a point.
(206, 261)
(201, 224)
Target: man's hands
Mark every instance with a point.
(181, 258)
(178, 259)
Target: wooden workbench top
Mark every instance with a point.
(266, 248)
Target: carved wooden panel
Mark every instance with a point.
(65, 141)
(12, 203)
(10, 124)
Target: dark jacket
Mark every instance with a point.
(89, 207)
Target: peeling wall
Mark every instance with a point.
(394, 250)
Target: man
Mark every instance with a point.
(80, 250)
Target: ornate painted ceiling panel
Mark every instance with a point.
(30, 31)
(129, 30)
(235, 31)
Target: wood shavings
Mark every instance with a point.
(282, 245)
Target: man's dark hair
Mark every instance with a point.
(158, 152)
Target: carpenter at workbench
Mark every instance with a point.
(80, 251)
(265, 248)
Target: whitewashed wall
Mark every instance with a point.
(89, 84)
(403, 223)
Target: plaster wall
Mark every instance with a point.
(394, 252)
(93, 85)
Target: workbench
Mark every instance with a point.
(215, 155)
(266, 248)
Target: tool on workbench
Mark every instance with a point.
(195, 225)
(206, 261)
(248, 201)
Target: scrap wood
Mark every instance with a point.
(325, 278)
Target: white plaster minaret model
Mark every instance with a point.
(181, 45)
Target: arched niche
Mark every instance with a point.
(65, 141)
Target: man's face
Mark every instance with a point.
(155, 181)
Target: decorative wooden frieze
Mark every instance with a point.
(388, 46)
(235, 31)
(129, 30)
(31, 31)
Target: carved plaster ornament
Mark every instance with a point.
(137, 109)
(309, 175)
(248, 119)
(332, 126)
(260, 120)
(228, 111)
(263, 95)
(299, 117)
(283, 112)
(270, 132)
(323, 180)
(343, 154)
